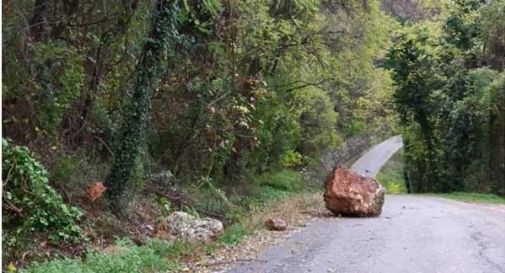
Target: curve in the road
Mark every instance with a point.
(372, 161)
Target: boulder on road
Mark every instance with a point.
(276, 224)
(350, 194)
(191, 229)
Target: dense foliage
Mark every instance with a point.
(225, 96)
(450, 96)
(240, 89)
(30, 204)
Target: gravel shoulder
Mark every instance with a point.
(297, 211)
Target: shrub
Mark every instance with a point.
(267, 193)
(287, 180)
(30, 204)
(291, 159)
(394, 187)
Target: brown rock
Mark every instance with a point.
(276, 224)
(350, 194)
(95, 190)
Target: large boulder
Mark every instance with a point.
(191, 229)
(349, 194)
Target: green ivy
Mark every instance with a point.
(164, 34)
(30, 204)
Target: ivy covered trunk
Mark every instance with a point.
(148, 73)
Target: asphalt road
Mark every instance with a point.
(371, 162)
(414, 234)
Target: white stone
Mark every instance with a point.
(193, 229)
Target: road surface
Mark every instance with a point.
(414, 234)
(371, 162)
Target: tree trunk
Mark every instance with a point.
(148, 74)
(37, 23)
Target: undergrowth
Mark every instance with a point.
(155, 256)
(159, 256)
(31, 208)
(234, 234)
(286, 180)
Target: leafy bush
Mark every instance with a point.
(207, 200)
(30, 204)
(129, 258)
(291, 159)
(287, 180)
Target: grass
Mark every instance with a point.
(268, 202)
(391, 174)
(233, 234)
(155, 256)
(284, 180)
(473, 197)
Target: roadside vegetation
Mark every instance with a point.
(474, 197)
(392, 175)
(125, 256)
(450, 95)
(162, 256)
(392, 178)
(212, 107)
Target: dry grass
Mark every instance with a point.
(297, 211)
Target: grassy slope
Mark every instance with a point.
(280, 195)
(161, 256)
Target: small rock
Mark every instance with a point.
(95, 190)
(276, 224)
